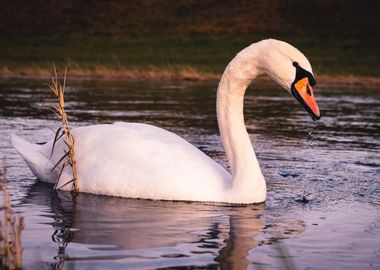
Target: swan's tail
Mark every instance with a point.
(33, 156)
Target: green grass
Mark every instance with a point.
(328, 57)
(201, 54)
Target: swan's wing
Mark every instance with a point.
(140, 160)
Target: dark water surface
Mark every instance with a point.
(323, 206)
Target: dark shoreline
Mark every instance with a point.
(179, 73)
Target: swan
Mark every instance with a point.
(137, 160)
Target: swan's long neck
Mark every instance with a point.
(248, 182)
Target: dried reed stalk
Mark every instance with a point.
(59, 109)
(10, 230)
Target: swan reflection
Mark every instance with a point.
(142, 233)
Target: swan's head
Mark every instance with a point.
(302, 90)
(288, 67)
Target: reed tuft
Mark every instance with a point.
(11, 228)
(58, 90)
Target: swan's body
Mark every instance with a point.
(144, 161)
(106, 169)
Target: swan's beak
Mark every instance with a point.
(303, 92)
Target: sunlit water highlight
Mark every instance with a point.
(323, 206)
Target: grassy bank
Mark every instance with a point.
(334, 61)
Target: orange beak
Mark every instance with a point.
(303, 92)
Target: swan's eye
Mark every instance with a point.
(295, 64)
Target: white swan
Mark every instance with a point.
(143, 161)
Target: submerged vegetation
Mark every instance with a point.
(11, 228)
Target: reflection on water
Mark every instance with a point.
(140, 233)
(323, 182)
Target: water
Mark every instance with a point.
(322, 209)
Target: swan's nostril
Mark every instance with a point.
(308, 90)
